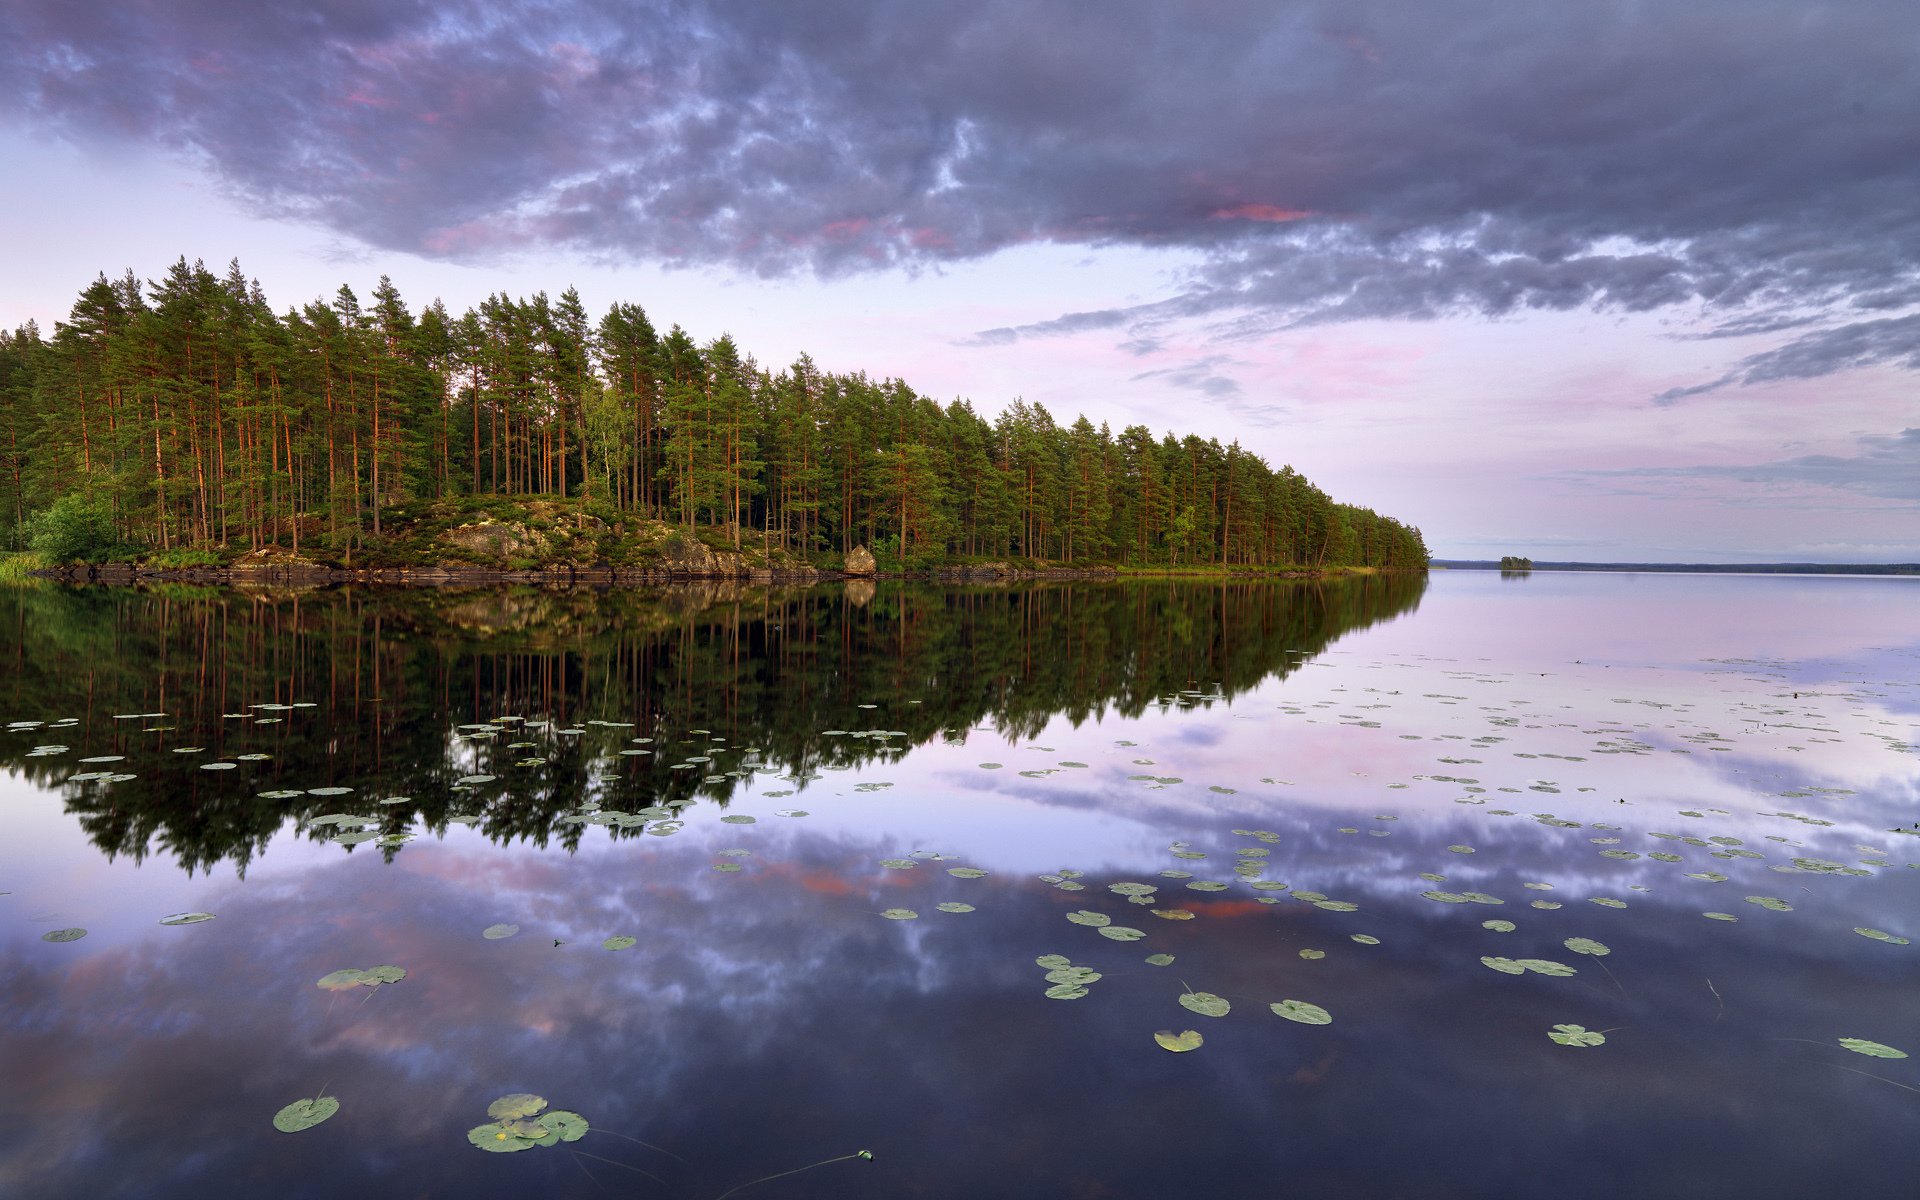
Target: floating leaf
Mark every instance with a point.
(1881, 935)
(1545, 966)
(1172, 914)
(1365, 939)
(1506, 966)
(1207, 885)
(1580, 945)
(899, 864)
(1065, 991)
(1446, 897)
(1074, 975)
(497, 1139)
(1313, 954)
(899, 914)
(1159, 960)
(494, 933)
(568, 1126)
(1083, 917)
(63, 935)
(343, 980)
(1872, 1049)
(954, 906)
(305, 1114)
(514, 1105)
(739, 819)
(186, 918)
(726, 867)
(1576, 1035)
(1303, 1012)
(1205, 1003)
(1132, 889)
(966, 872)
(1461, 849)
(1498, 926)
(1053, 962)
(1772, 902)
(620, 942)
(1179, 1043)
(1607, 902)
(1719, 916)
(1121, 933)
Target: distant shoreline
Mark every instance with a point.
(1774, 568)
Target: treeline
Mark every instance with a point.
(185, 414)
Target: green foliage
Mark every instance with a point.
(203, 420)
(78, 527)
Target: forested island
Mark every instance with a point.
(182, 423)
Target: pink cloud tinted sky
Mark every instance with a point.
(1530, 305)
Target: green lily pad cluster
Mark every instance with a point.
(522, 1121)
(1066, 981)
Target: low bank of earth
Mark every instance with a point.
(545, 540)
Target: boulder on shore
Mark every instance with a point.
(860, 561)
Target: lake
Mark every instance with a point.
(1568, 885)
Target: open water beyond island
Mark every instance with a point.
(1554, 886)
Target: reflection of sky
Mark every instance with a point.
(770, 1018)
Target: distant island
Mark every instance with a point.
(1515, 563)
(1772, 568)
(183, 425)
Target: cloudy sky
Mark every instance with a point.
(1607, 280)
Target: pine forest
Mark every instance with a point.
(185, 417)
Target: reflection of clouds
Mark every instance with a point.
(764, 1021)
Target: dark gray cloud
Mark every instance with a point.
(1886, 467)
(1327, 159)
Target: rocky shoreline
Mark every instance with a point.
(306, 574)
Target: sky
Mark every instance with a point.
(1604, 281)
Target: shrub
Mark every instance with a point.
(77, 528)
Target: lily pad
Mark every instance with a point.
(966, 872)
(1506, 966)
(1205, 1003)
(1607, 902)
(1084, 917)
(1053, 962)
(1172, 914)
(305, 1114)
(1546, 966)
(1576, 1035)
(1720, 916)
(1121, 933)
(1499, 926)
(494, 933)
(954, 906)
(344, 980)
(1773, 902)
(739, 819)
(899, 864)
(186, 918)
(1065, 991)
(1159, 960)
(1365, 939)
(1881, 935)
(1303, 1012)
(63, 935)
(568, 1126)
(1179, 1043)
(1132, 889)
(498, 1140)
(515, 1105)
(1871, 1049)
(1580, 945)
(1310, 955)
(899, 914)
(620, 942)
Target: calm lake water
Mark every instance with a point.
(1394, 802)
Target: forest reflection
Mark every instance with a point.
(400, 695)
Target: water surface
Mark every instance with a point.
(1385, 747)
